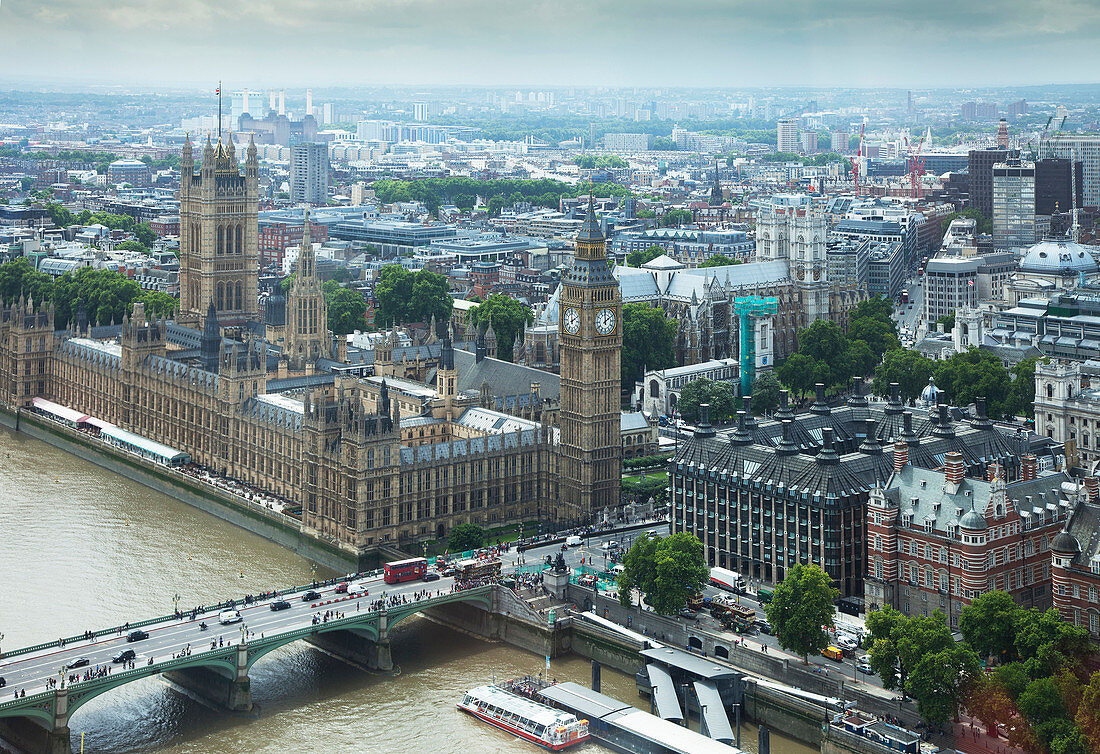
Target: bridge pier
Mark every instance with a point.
(358, 647)
(31, 734)
(215, 686)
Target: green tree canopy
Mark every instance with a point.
(984, 224)
(591, 161)
(508, 317)
(466, 537)
(19, 278)
(801, 608)
(907, 368)
(648, 339)
(871, 323)
(940, 681)
(800, 373)
(667, 570)
(720, 395)
(137, 246)
(638, 257)
(989, 625)
(974, 373)
(719, 260)
(765, 392)
(346, 308)
(1022, 393)
(405, 296)
(676, 217)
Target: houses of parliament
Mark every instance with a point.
(260, 402)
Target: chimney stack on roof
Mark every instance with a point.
(901, 455)
(1029, 467)
(954, 469)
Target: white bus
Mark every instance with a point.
(731, 581)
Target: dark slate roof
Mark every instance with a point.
(1084, 526)
(298, 383)
(506, 380)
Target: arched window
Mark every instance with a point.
(1050, 390)
(220, 304)
(221, 240)
(240, 228)
(654, 389)
(239, 306)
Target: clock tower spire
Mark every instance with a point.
(591, 341)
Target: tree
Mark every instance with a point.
(159, 304)
(871, 323)
(346, 308)
(940, 680)
(60, 216)
(137, 246)
(886, 627)
(974, 372)
(989, 625)
(824, 342)
(106, 296)
(801, 372)
(680, 572)
(1088, 712)
(639, 569)
(18, 278)
(983, 223)
(648, 338)
(719, 260)
(802, 608)
(466, 537)
(405, 296)
(765, 393)
(1046, 643)
(720, 396)
(676, 217)
(907, 368)
(508, 317)
(638, 257)
(947, 320)
(666, 570)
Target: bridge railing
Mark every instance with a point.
(28, 701)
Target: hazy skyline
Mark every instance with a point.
(859, 43)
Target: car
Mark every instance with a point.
(310, 596)
(137, 635)
(226, 617)
(358, 590)
(341, 588)
(764, 626)
(79, 662)
(847, 642)
(864, 667)
(450, 571)
(3, 682)
(279, 605)
(688, 613)
(431, 576)
(124, 656)
(573, 541)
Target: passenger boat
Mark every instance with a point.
(545, 726)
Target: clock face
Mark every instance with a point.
(605, 322)
(572, 321)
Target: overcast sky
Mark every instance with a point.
(561, 42)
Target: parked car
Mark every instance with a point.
(124, 656)
(864, 667)
(227, 617)
(764, 626)
(833, 653)
(137, 635)
(79, 662)
(310, 596)
(342, 588)
(280, 605)
(431, 576)
(688, 613)
(847, 643)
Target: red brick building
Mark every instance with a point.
(275, 238)
(165, 225)
(937, 539)
(1075, 572)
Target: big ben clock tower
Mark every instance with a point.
(591, 341)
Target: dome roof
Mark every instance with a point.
(930, 392)
(1060, 257)
(973, 520)
(1065, 542)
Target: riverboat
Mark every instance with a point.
(544, 726)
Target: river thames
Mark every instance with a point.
(86, 548)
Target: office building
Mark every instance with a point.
(787, 136)
(1083, 149)
(885, 268)
(1016, 109)
(981, 164)
(1054, 185)
(846, 260)
(391, 237)
(134, 172)
(1013, 203)
(838, 142)
(278, 129)
(621, 142)
(309, 173)
(420, 111)
(809, 142)
(950, 283)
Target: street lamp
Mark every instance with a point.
(1, 639)
(176, 603)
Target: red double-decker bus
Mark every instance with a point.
(405, 570)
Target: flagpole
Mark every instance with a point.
(219, 110)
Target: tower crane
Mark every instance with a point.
(857, 159)
(916, 169)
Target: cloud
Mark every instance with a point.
(629, 42)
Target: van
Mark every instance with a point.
(573, 541)
(833, 653)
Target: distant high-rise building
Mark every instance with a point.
(1016, 109)
(787, 139)
(838, 142)
(326, 114)
(987, 110)
(278, 129)
(809, 142)
(1013, 203)
(1083, 148)
(981, 177)
(909, 109)
(420, 111)
(1053, 182)
(969, 110)
(1004, 141)
(309, 102)
(627, 142)
(309, 168)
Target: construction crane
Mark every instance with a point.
(916, 168)
(856, 160)
(748, 310)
